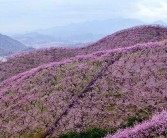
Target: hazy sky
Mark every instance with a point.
(26, 15)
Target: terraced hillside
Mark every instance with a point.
(101, 89)
(122, 39)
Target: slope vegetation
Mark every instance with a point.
(101, 89)
(153, 128)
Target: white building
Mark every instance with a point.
(3, 59)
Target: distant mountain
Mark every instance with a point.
(101, 27)
(78, 33)
(10, 46)
(72, 34)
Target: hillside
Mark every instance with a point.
(125, 38)
(10, 46)
(131, 36)
(102, 89)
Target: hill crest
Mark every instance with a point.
(121, 39)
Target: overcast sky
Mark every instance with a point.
(26, 15)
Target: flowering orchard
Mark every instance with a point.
(135, 82)
(157, 126)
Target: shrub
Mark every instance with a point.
(90, 133)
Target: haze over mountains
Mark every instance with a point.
(9, 46)
(77, 34)
(111, 84)
(73, 35)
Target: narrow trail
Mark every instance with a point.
(52, 129)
